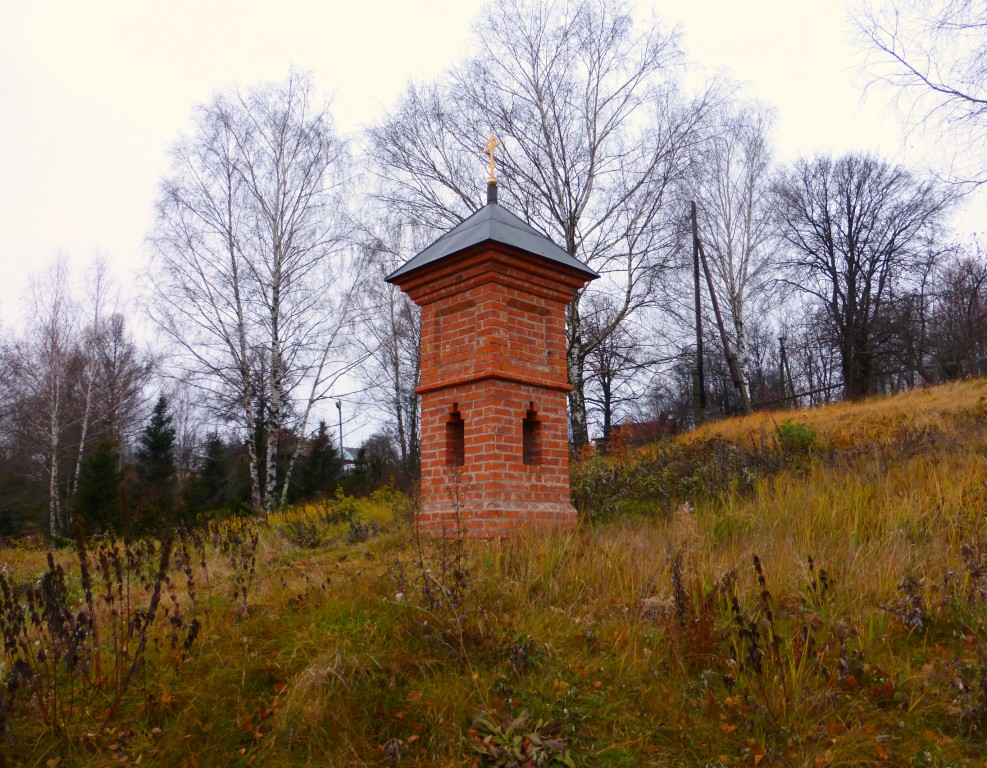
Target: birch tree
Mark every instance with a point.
(40, 368)
(110, 371)
(74, 378)
(391, 325)
(123, 372)
(98, 284)
(595, 134)
(251, 281)
(731, 187)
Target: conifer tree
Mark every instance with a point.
(97, 500)
(215, 472)
(208, 489)
(156, 468)
(320, 472)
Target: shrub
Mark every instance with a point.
(798, 437)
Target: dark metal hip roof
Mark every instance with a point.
(496, 224)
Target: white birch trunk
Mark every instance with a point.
(84, 428)
(54, 433)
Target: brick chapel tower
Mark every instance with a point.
(494, 430)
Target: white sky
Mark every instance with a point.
(92, 94)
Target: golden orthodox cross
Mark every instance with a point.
(489, 149)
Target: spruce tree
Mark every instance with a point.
(156, 469)
(319, 475)
(215, 472)
(97, 501)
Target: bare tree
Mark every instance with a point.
(73, 378)
(933, 54)
(595, 133)
(124, 371)
(391, 336)
(617, 368)
(251, 283)
(731, 187)
(41, 362)
(99, 293)
(857, 231)
(957, 323)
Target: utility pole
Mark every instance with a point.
(736, 374)
(699, 381)
(788, 375)
(339, 407)
(781, 366)
(785, 371)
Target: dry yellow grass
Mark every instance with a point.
(621, 634)
(847, 425)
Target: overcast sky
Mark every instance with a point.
(92, 94)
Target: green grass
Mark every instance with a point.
(645, 637)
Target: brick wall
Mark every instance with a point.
(494, 426)
(494, 491)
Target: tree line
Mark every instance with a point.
(827, 277)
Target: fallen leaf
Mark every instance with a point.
(728, 728)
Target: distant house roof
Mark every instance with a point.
(492, 223)
(640, 432)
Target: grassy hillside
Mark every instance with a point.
(791, 589)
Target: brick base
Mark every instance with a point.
(435, 518)
(495, 454)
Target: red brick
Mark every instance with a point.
(493, 342)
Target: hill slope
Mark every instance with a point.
(793, 589)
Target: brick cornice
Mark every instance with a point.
(544, 382)
(492, 262)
